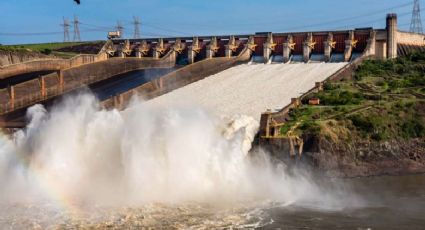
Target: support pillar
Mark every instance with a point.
(308, 46)
(138, 54)
(11, 91)
(265, 124)
(61, 82)
(118, 102)
(295, 101)
(156, 54)
(125, 49)
(251, 45)
(329, 44)
(191, 55)
(159, 83)
(210, 54)
(212, 48)
(319, 86)
(193, 50)
(392, 36)
(371, 44)
(288, 46)
(42, 81)
(121, 54)
(349, 46)
(159, 49)
(228, 52)
(267, 52)
(268, 47)
(230, 47)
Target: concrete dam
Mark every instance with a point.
(243, 74)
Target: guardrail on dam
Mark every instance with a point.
(119, 56)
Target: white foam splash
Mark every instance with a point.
(143, 155)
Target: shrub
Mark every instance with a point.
(413, 128)
(46, 51)
(310, 127)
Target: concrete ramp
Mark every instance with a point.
(249, 89)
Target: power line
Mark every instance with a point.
(371, 21)
(164, 29)
(416, 24)
(350, 18)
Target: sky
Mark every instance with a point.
(37, 21)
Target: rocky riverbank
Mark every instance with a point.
(360, 158)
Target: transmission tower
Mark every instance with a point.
(416, 24)
(65, 26)
(120, 28)
(136, 24)
(76, 29)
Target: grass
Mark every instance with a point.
(44, 48)
(385, 100)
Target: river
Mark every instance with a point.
(391, 202)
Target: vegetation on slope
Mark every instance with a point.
(385, 100)
(60, 49)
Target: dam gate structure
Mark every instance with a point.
(31, 82)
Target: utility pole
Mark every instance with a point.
(65, 26)
(136, 24)
(120, 28)
(416, 24)
(77, 36)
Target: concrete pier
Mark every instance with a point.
(288, 46)
(349, 43)
(392, 35)
(212, 48)
(159, 49)
(329, 44)
(193, 50)
(230, 47)
(308, 46)
(268, 47)
(42, 80)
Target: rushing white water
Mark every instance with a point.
(141, 155)
(80, 154)
(250, 89)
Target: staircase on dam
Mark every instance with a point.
(114, 73)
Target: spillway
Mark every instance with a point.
(250, 89)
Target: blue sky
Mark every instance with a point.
(21, 18)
